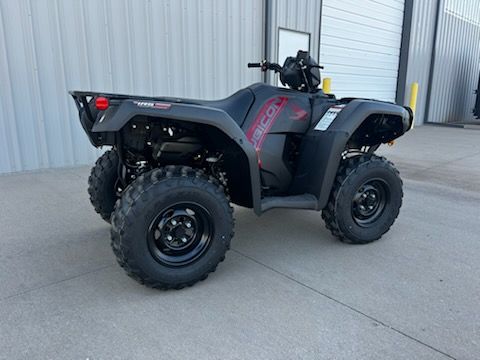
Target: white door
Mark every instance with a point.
(360, 46)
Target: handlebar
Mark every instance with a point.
(264, 65)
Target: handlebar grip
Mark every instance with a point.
(254, 65)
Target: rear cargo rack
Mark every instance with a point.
(82, 99)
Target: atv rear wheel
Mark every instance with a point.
(172, 227)
(102, 182)
(365, 200)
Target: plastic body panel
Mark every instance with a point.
(357, 110)
(321, 151)
(273, 116)
(276, 114)
(124, 108)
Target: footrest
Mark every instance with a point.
(304, 201)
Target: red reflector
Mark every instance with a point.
(101, 103)
(259, 160)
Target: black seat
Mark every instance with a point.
(236, 105)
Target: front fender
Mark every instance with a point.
(358, 110)
(324, 146)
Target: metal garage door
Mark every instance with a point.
(360, 46)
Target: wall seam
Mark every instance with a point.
(13, 139)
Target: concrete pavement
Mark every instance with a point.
(287, 289)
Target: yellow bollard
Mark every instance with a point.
(327, 85)
(413, 96)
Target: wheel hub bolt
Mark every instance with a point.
(188, 225)
(174, 222)
(184, 240)
(169, 237)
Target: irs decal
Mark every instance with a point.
(153, 105)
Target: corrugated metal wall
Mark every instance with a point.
(424, 14)
(299, 15)
(360, 46)
(456, 62)
(184, 48)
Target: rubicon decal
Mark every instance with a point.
(265, 119)
(153, 105)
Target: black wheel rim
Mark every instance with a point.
(370, 201)
(180, 234)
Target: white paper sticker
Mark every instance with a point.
(328, 118)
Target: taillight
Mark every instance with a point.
(101, 103)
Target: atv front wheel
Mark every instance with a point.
(101, 184)
(172, 227)
(365, 200)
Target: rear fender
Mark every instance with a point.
(116, 117)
